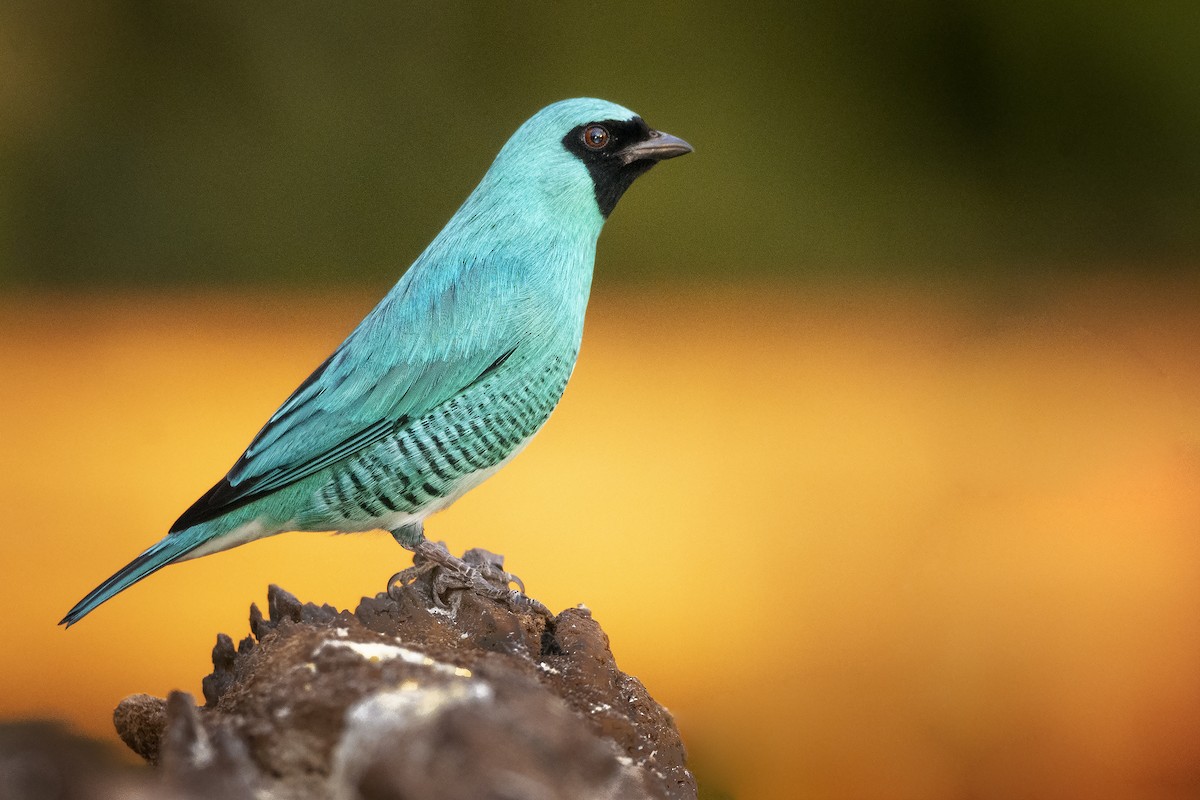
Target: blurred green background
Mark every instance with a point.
(199, 143)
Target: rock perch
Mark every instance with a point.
(405, 698)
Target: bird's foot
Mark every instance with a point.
(479, 570)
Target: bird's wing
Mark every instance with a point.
(371, 385)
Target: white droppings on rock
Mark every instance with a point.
(382, 651)
(377, 717)
(448, 613)
(412, 700)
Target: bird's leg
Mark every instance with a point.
(479, 570)
(409, 537)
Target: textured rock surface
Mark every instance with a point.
(404, 698)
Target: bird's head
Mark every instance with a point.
(585, 152)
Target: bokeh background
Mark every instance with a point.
(881, 463)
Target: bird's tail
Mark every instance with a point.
(170, 549)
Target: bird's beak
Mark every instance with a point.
(658, 147)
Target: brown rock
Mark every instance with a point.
(140, 719)
(405, 698)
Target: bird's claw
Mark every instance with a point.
(479, 570)
(405, 578)
(496, 575)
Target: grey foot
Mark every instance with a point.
(478, 570)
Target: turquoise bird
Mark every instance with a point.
(451, 374)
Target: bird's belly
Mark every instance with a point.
(425, 466)
(460, 487)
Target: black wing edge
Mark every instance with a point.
(225, 496)
(220, 499)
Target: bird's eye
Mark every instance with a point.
(595, 137)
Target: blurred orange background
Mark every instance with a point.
(881, 464)
(864, 540)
